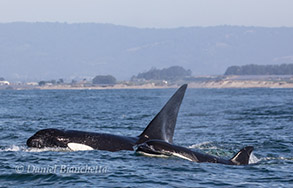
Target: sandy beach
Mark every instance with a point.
(241, 84)
(208, 84)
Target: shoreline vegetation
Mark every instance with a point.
(221, 83)
(208, 84)
(270, 76)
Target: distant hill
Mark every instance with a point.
(44, 51)
(283, 69)
(170, 74)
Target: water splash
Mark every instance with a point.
(278, 158)
(13, 148)
(203, 145)
(253, 159)
(16, 148)
(47, 149)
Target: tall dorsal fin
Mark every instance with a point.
(163, 125)
(242, 157)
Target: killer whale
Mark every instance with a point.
(162, 148)
(160, 128)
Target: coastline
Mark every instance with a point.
(228, 82)
(242, 84)
(207, 84)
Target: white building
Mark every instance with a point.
(32, 83)
(4, 83)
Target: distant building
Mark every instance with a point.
(4, 83)
(32, 83)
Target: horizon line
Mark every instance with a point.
(140, 27)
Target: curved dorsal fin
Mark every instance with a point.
(242, 157)
(163, 125)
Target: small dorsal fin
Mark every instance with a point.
(163, 125)
(242, 157)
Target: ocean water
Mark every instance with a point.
(216, 121)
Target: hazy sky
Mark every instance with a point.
(152, 13)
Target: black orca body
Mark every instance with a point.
(88, 140)
(161, 128)
(162, 148)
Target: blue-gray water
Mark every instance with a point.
(217, 121)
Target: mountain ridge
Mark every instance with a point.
(42, 51)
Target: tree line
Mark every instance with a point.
(252, 69)
(171, 73)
